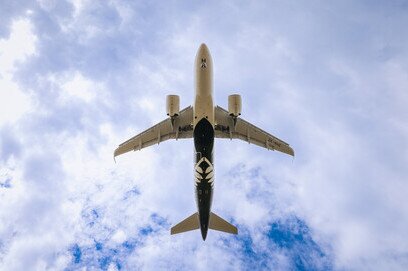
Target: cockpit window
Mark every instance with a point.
(203, 63)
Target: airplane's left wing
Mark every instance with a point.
(227, 127)
(170, 128)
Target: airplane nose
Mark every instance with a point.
(203, 48)
(203, 58)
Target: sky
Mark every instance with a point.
(79, 77)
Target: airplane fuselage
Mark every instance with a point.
(203, 123)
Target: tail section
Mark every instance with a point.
(193, 223)
(188, 224)
(219, 224)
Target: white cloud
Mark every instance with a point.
(79, 6)
(48, 5)
(19, 45)
(119, 236)
(77, 86)
(14, 50)
(299, 79)
(13, 102)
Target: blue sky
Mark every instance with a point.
(79, 77)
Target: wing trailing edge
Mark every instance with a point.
(219, 224)
(188, 224)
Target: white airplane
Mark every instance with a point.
(203, 122)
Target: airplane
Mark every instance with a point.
(203, 122)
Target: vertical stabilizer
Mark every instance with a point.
(219, 224)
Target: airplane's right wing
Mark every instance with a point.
(178, 127)
(241, 129)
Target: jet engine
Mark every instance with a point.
(172, 105)
(234, 105)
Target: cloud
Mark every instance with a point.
(79, 77)
(19, 45)
(79, 87)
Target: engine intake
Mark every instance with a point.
(172, 105)
(234, 105)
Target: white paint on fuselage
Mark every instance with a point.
(204, 103)
(200, 175)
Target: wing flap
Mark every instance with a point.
(180, 127)
(247, 132)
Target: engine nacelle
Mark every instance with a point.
(172, 105)
(234, 105)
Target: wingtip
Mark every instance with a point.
(114, 155)
(291, 151)
(292, 154)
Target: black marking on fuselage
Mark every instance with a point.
(203, 63)
(204, 171)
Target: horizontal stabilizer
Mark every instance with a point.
(188, 224)
(219, 224)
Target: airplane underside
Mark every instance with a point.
(204, 122)
(204, 171)
(204, 219)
